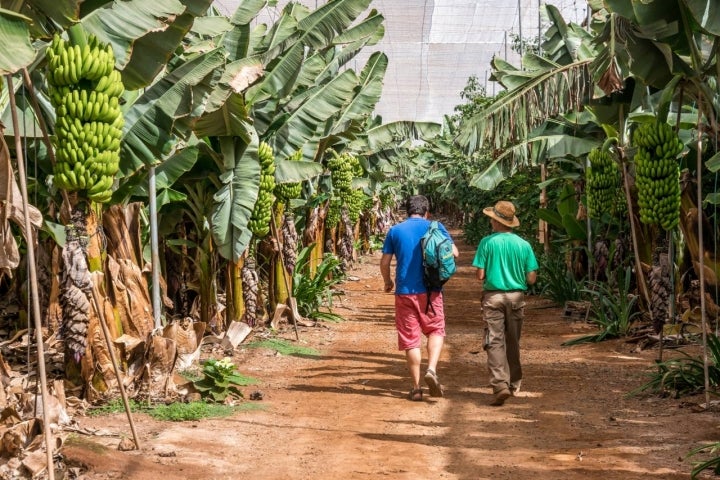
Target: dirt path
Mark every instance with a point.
(343, 414)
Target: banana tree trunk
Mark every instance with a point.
(690, 215)
(235, 307)
(314, 234)
(281, 277)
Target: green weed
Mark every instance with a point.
(314, 292)
(283, 347)
(612, 310)
(175, 412)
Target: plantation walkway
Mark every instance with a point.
(343, 413)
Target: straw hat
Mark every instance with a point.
(503, 212)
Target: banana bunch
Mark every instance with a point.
(287, 191)
(355, 203)
(84, 88)
(259, 223)
(657, 174)
(343, 169)
(334, 212)
(602, 178)
(68, 64)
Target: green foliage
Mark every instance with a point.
(221, 380)
(116, 406)
(521, 189)
(185, 412)
(712, 463)
(557, 282)
(283, 347)
(684, 375)
(612, 310)
(315, 291)
(175, 412)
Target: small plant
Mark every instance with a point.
(314, 291)
(613, 311)
(221, 379)
(283, 347)
(685, 375)
(558, 283)
(712, 463)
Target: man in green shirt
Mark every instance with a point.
(506, 265)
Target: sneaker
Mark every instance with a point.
(500, 397)
(514, 390)
(433, 383)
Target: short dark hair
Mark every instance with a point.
(417, 205)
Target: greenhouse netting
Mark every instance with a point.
(435, 46)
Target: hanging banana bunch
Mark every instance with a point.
(355, 205)
(602, 179)
(332, 218)
(259, 223)
(284, 192)
(657, 174)
(84, 89)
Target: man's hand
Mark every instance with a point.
(389, 285)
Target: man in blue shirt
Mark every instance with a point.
(413, 318)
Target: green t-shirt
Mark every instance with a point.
(506, 259)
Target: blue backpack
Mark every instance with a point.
(438, 258)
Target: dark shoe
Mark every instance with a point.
(415, 395)
(433, 383)
(500, 397)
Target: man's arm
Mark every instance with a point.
(480, 274)
(385, 272)
(456, 253)
(531, 277)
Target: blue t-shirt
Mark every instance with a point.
(403, 241)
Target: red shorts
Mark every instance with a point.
(412, 322)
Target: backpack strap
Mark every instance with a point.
(428, 305)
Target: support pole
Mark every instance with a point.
(701, 260)
(520, 31)
(111, 352)
(157, 306)
(49, 448)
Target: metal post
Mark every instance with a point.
(539, 25)
(505, 44)
(701, 259)
(157, 306)
(520, 30)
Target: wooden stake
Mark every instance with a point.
(49, 447)
(111, 352)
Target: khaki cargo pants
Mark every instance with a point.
(504, 313)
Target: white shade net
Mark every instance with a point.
(433, 47)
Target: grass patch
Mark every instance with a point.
(283, 347)
(176, 412)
